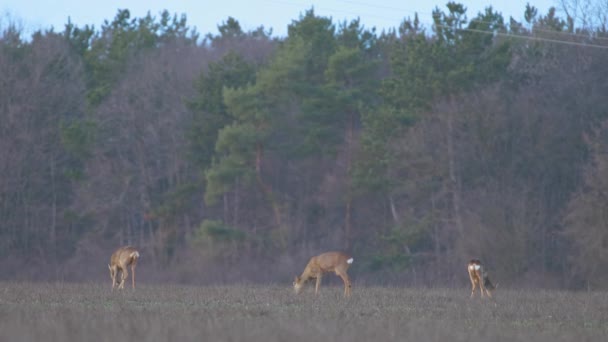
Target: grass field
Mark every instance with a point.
(76, 312)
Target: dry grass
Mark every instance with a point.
(70, 312)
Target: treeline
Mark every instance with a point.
(236, 156)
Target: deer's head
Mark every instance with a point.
(298, 284)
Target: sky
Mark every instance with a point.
(206, 15)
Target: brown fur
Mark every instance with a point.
(121, 259)
(479, 278)
(327, 262)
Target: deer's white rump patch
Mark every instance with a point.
(474, 267)
(350, 261)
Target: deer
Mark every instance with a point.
(337, 262)
(480, 278)
(119, 261)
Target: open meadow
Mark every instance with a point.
(91, 312)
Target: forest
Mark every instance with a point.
(234, 157)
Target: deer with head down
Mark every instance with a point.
(479, 278)
(337, 262)
(120, 260)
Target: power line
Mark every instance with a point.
(491, 32)
(503, 25)
(510, 35)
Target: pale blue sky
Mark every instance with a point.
(275, 14)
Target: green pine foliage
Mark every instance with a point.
(450, 137)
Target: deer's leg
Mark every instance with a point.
(125, 275)
(346, 280)
(113, 276)
(488, 293)
(318, 284)
(482, 288)
(133, 274)
(472, 286)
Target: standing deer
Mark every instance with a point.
(121, 259)
(337, 262)
(480, 278)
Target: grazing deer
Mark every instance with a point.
(480, 278)
(337, 262)
(120, 260)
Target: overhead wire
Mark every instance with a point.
(503, 25)
(510, 35)
(432, 24)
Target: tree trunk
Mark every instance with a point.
(235, 217)
(265, 187)
(53, 237)
(394, 213)
(349, 199)
(453, 180)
